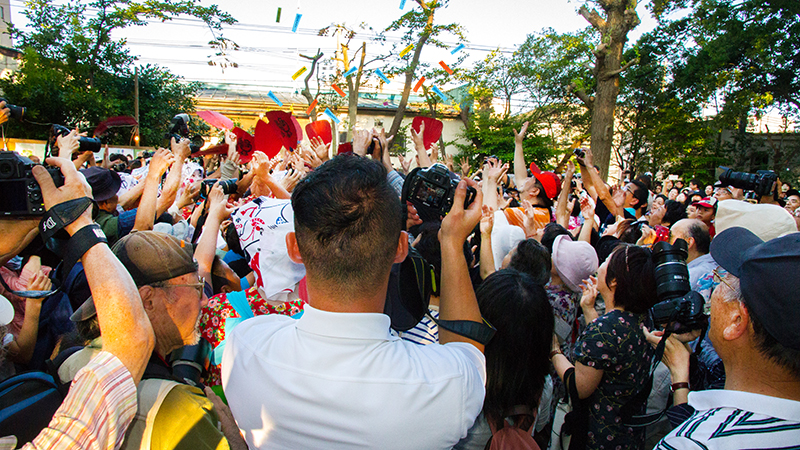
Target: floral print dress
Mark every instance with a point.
(214, 315)
(615, 344)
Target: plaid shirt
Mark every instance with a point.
(98, 409)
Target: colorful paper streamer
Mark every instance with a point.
(441, 95)
(382, 76)
(406, 50)
(350, 72)
(299, 72)
(458, 47)
(296, 22)
(446, 67)
(278, 19)
(274, 98)
(332, 116)
(311, 107)
(402, 4)
(419, 84)
(338, 90)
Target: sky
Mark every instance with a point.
(269, 50)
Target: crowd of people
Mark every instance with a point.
(308, 301)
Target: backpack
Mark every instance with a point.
(29, 400)
(516, 435)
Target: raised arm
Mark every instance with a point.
(127, 332)
(419, 146)
(217, 212)
(520, 169)
(562, 215)
(487, 257)
(146, 214)
(169, 191)
(458, 301)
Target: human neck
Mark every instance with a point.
(761, 376)
(334, 298)
(693, 254)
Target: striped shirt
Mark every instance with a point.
(98, 409)
(725, 419)
(427, 331)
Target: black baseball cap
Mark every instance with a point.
(767, 273)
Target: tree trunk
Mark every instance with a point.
(306, 92)
(352, 92)
(620, 18)
(423, 37)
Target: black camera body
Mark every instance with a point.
(679, 308)
(763, 182)
(22, 195)
(579, 152)
(16, 112)
(432, 191)
(86, 144)
(179, 129)
(228, 186)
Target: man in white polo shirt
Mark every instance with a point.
(338, 377)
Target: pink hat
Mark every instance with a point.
(574, 261)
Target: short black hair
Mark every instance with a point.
(675, 212)
(532, 258)
(347, 222)
(640, 193)
(551, 231)
(517, 357)
(702, 238)
(632, 267)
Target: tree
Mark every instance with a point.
(419, 29)
(620, 18)
(74, 73)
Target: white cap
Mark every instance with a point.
(764, 220)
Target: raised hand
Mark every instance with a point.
(320, 148)
(69, 144)
(419, 143)
(459, 222)
(361, 141)
(520, 136)
(75, 186)
(218, 204)
(405, 164)
(161, 161)
(181, 149)
(487, 219)
(588, 297)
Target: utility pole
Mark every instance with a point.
(136, 104)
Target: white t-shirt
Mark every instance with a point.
(344, 380)
(736, 420)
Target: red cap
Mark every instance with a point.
(549, 181)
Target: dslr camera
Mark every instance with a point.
(179, 129)
(228, 186)
(17, 112)
(432, 191)
(679, 308)
(22, 195)
(763, 182)
(86, 144)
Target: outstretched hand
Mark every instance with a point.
(75, 186)
(459, 222)
(520, 136)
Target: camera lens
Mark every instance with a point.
(672, 275)
(7, 169)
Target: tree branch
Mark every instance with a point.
(594, 18)
(613, 73)
(582, 95)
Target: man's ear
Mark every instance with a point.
(737, 320)
(147, 293)
(292, 248)
(402, 248)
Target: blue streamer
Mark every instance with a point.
(382, 76)
(274, 98)
(332, 116)
(402, 4)
(350, 72)
(440, 94)
(296, 22)
(458, 47)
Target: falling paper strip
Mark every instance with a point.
(299, 72)
(311, 107)
(419, 84)
(382, 76)
(439, 93)
(406, 50)
(338, 90)
(458, 47)
(350, 72)
(446, 67)
(332, 116)
(274, 98)
(296, 22)
(402, 4)
(278, 19)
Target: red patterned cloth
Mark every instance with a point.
(214, 315)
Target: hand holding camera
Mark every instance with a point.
(74, 187)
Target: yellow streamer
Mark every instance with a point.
(406, 50)
(299, 72)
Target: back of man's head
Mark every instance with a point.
(697, 230)
(347, 222)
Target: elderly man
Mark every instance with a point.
(696, 235)
(337, 377)
(754, 316)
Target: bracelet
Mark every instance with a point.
(682, 385)
(554, 353)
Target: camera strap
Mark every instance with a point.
(61, 215)
(34, 294)
(481, 332)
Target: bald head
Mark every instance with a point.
(694, 232)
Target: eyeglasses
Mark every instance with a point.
(718, 279)
(199, 286)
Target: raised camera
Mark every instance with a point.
(22, 195)
(85, 144)
(763, 182)
(228, 186)
(432, 191)
(179, 129)
(679, 308)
